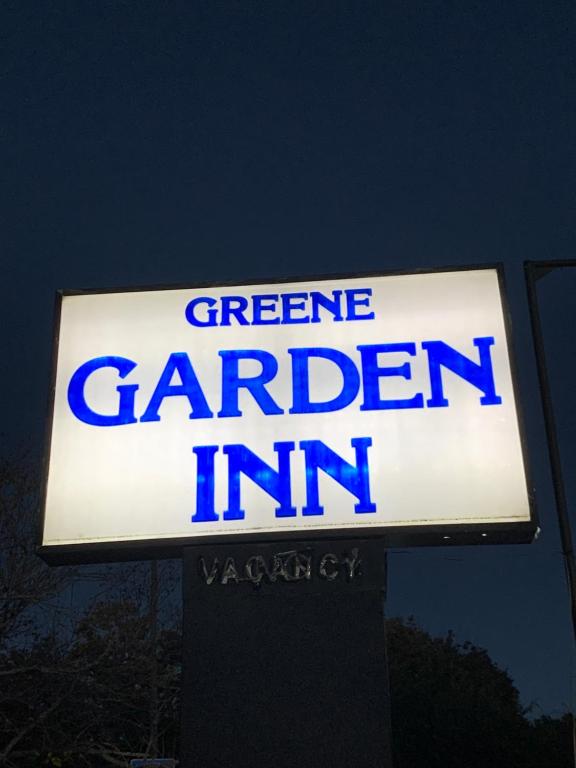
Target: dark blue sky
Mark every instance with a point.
(177, 142)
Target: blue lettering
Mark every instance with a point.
(356, 479)
(332, 305)
(294, 302)
(301, 380)
(231, 381)
(480, 375)
(210, 314)
(353, 300)
(205, 512)
(262, 309)
(127, 392)
(264, 303)
(372, 372)
(234, 306)
(178, 362)
(276, 483)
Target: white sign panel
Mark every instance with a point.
(360, 404)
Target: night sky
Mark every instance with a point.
(155, 143)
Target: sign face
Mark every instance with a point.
(351, 406)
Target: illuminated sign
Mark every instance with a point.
(362, 405)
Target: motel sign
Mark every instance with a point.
(372, 405)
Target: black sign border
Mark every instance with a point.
(454, 534)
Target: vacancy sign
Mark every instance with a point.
(380, 405)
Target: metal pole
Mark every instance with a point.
(534, 271)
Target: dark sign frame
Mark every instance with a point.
(454, 534)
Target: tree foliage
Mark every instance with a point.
(90, 706)
(31, 686)
(25, 582)
(452, 706)
(81, 696)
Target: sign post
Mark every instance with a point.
(534, 270)
(285, 656)
(277, 436)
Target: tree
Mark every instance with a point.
(25, 582)
(28, 658)
(103, 688)
(90, 705)
(453, 707)
(552, 742)
(112, 644)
